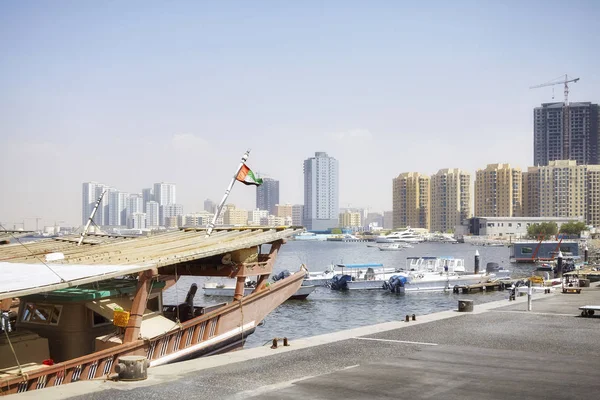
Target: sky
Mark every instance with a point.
(132, 93)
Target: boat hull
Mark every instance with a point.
(301, 293)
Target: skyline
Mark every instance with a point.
(177, 93)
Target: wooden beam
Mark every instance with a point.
(132, 332)
(262, 279)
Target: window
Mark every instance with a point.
(526, 250)
(46, 314)
(98, 320)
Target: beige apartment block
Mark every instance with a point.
(235, 216)
(498, 191)
(283, 210)
(563, 189)
(450, 199)
(350, 219)
(593, 195)
(411, 204)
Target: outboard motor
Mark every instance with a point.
(396, 283)
(282, 275)
(186, 309)
(492, 267)
(340, 282)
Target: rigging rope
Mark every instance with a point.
(32, 253)
(12, 348)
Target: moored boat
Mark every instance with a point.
(109, 290)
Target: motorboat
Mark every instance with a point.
(222, 290)
(395, 247)
(408, 235)
(110, 290)
(433, 274)
(321, 278)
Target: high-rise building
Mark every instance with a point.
(562, 189)
(152, 214)
(350, 220)
(135, 204)
(498, 191)
(321, 192)
(388, 220)
(235, 216)
(593, 196)
(210, 206)
(297, 212)
(164, 193)
(411, 201)
(566, 133)
(91, 192)
(450, 199)
(255, 216)
(137, 221)
(117, 208)
(170, 211)
(267, 195)
(373, 220)
(147, 195)
(283, 210)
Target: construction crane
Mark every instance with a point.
(559, 81)
(37, 222)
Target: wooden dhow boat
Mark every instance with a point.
(83, 307)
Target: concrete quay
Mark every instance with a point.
(498, 351)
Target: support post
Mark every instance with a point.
(262, 280)
(132, 332)
(476, 262)
(529, 293)
(559, 265)
(585, 254)
(239, 288)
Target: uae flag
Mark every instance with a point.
(246, 176)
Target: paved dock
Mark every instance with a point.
(499, 351)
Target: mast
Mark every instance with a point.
(90, 220)
(224, 199)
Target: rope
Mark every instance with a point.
(32, 253)
(14, 353)
(178, 321)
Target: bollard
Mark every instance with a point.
(476, 262)
(274, 346)
(407, 318)
(465, 305)
(132, 368)
(285, 342)
(414, 318)
(529, 294)
(585, 254)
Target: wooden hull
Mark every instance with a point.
(222, 330)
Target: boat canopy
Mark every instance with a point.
(368, 265)
(429, 258)
(23, 279)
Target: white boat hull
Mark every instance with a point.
(301, 293)
(424, 284)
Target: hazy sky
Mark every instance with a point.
(137, 92)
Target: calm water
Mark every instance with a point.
(326, 310)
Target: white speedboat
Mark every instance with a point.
(395, 247)
(215, 289)
(361, 276)
(436, 274)
(408, 235)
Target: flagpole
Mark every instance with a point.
(211, 226)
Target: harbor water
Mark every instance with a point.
(327, 311)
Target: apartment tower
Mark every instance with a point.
(411, 201)
(267, 195)
(498, 191)
(321, 192)
(563, 189)
(566, 133)
(450, 199)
